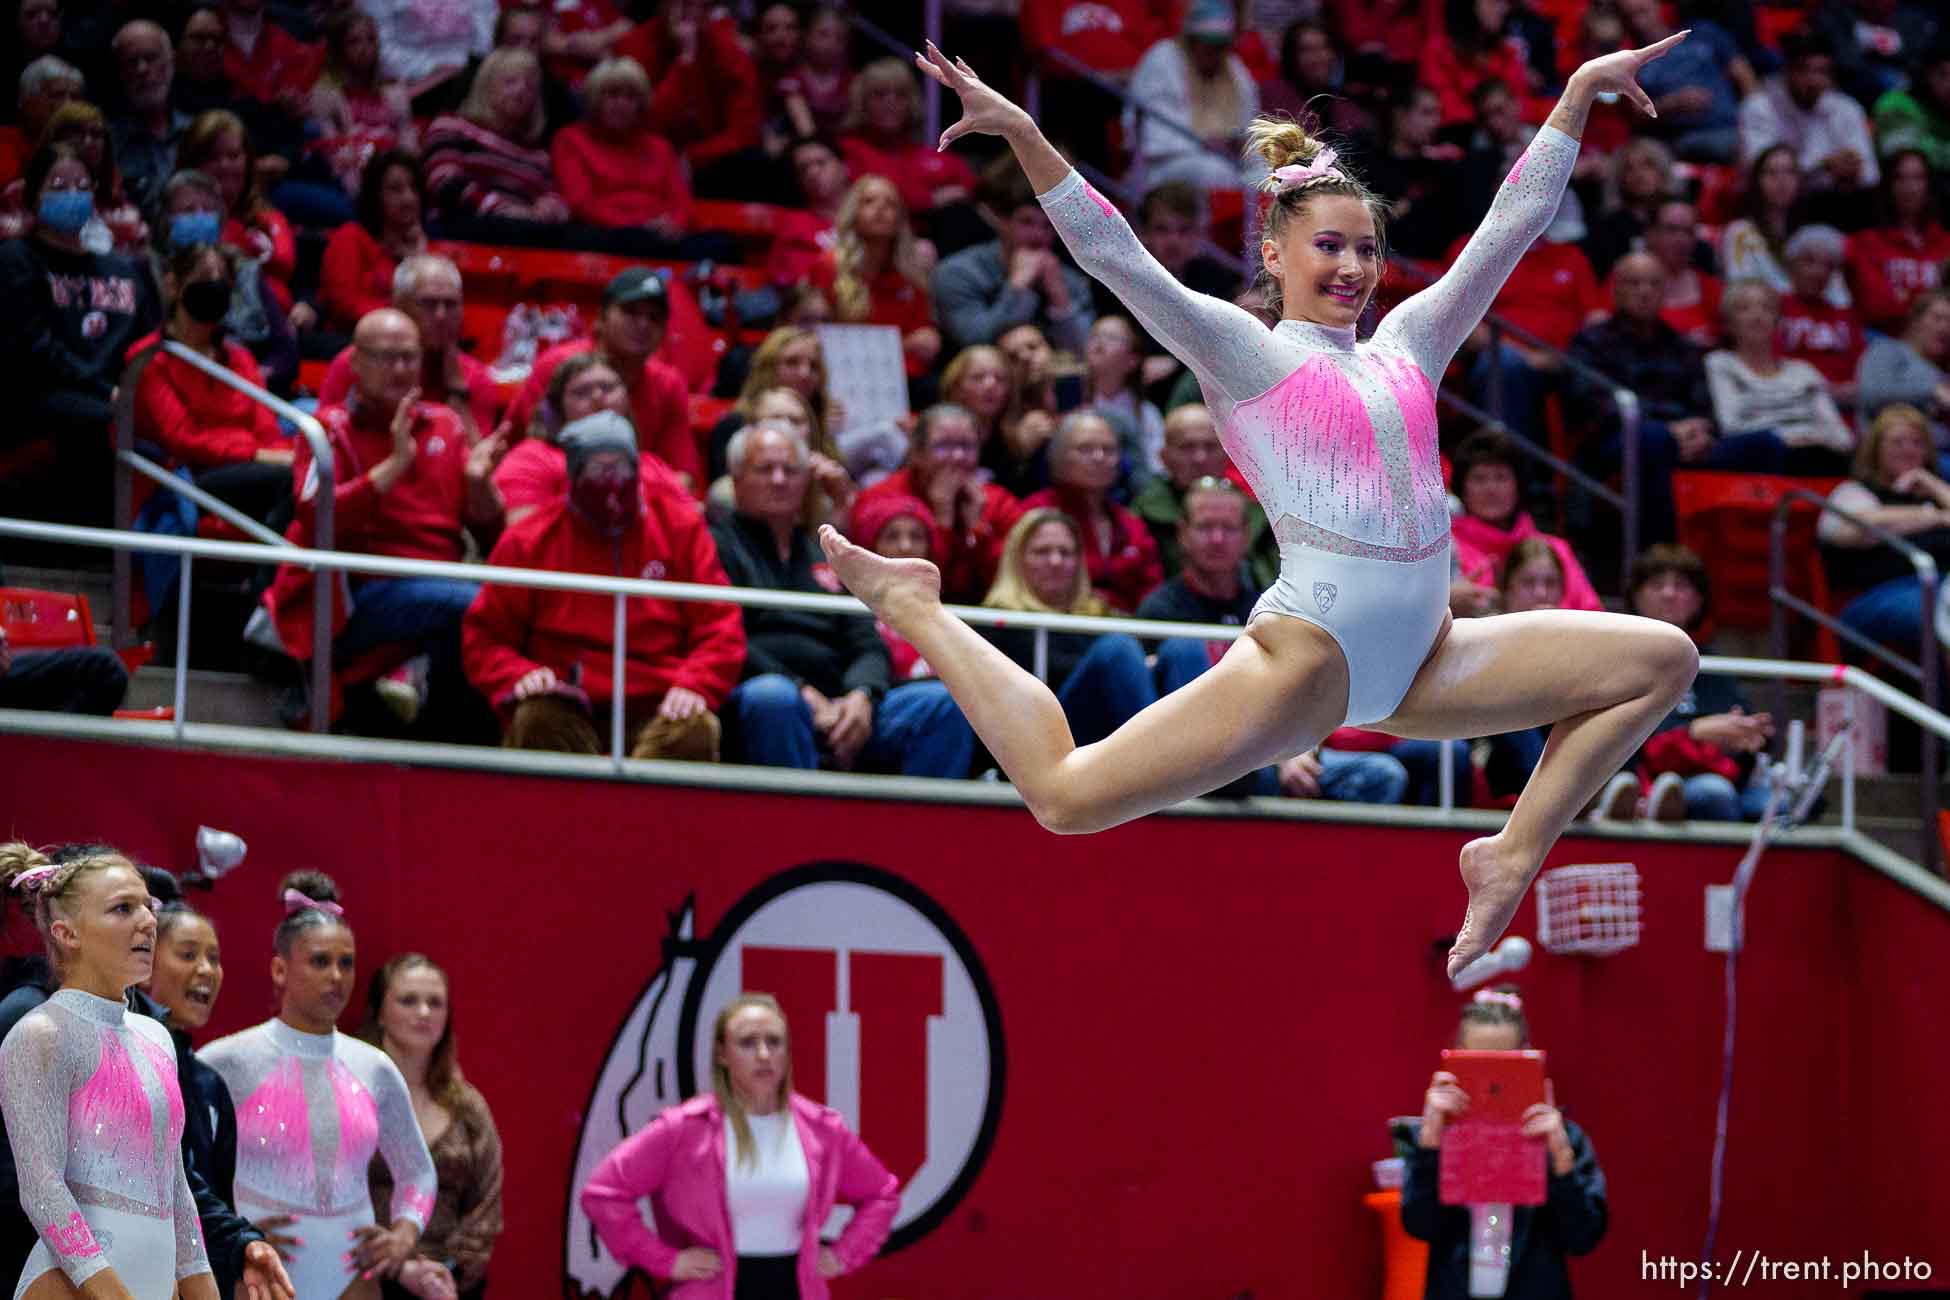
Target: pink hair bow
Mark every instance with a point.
(1294, 175)
(295, 902)
(31, 880)
(1498, 997)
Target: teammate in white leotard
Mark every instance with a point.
(1338, 439)
(314, 1105)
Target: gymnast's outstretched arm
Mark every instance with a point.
(1432, 324)
(1227, 347)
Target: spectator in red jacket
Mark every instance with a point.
(1118, 549)
(1813, 329)
(636, 311)
(707, 100)
(544, 658)
(1889, 264)
(899, 527)
(612, 169)
(405, 484)
(427, 287)
(1493, 521)
(230, 444)
(877, 272)
(264, 62)
(807, 233)
(881, 139)
(536, 472)
(490, 158)
(1472, 46)
(971, 517)
(361, 256)
(218, 146)
(1107, 35)
(1692, 305)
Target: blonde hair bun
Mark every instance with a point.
(1281, 142)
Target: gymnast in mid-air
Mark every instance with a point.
(1338, 441)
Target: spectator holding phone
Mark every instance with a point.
(1570, 1222)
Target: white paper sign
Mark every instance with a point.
(866, 371)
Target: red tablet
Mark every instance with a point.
(1485, 1157)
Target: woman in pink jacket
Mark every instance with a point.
(741, 1179)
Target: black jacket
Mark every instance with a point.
(1570, 1222)
(832, 653)
(70, 318)
(210, 1159)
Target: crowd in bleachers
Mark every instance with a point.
(353, 204)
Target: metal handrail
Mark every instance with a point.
(1082, 71)
(223, 510)
(620, 589)
(323, 465)
(1630, 416)
(1928, 670)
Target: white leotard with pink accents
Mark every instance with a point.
(96, 1117)
(1336, 437)
(312, 1109)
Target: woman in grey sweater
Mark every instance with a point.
(1910, 369)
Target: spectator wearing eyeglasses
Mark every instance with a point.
(406, 483)
(971, 517)
(427, 288)
(1118, 549)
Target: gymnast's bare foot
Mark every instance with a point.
(1497, 879)
(898, 591)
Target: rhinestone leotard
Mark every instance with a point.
(311, 1111)
(96, 1117)
(1336, 437)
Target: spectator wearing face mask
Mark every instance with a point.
(71, 317)
(543, 658)
(230, 444)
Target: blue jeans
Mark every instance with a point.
(1423, 759)
(1890, 613)
(425, 614)
(1710, 797)
(918, 730)
(1354, 777)
(1107, 688)
(1513, 757)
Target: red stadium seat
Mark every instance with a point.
(753, 225)
(45, 620)
(1726, 520)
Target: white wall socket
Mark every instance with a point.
(1719, 918)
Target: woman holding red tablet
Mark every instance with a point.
(1573, 1217)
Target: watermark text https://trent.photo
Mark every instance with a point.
(1747, 1268)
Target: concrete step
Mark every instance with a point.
(233, 699)
(98, 587)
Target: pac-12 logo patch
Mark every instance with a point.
(1325, 594)
(894, 1024)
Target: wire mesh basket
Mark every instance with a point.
(1592, 909)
